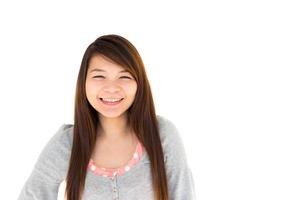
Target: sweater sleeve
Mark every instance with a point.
(180, 179)
(50, 168)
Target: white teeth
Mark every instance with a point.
(111, 100)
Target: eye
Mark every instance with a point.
(98, 76)
(125, 77)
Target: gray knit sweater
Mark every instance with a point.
(52, 164)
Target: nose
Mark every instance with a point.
(112, 88)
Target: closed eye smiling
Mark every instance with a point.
(120, 77)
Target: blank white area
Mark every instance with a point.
(225, 72)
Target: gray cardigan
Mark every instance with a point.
(52, 164)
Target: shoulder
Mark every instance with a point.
(167, 129)
(53, 160)
(171, 138)
(59, 145)
(63, 136)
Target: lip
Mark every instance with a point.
(111, 103)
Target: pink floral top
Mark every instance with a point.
(110, 172)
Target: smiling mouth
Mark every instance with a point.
(111, 101)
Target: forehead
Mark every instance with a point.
(104, 63)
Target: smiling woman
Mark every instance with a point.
(118, 148)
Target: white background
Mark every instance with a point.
(225, 72)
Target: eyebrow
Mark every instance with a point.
(101, 70)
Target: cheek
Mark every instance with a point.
(131, 89)
(91, 89)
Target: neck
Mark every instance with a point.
(113, 128)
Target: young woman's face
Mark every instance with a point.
(107, 81)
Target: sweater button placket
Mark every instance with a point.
(114, 187)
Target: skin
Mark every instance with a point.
(114, 138)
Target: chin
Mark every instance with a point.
(111, 115)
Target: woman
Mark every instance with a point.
(118, 148)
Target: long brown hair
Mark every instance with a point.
(141, 117)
